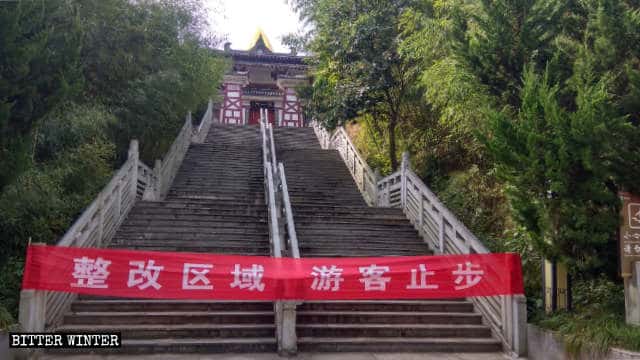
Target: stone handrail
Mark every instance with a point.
(506, 315)
(40, 310)
(203, 129)
(324, 137)
(365, 178)
(166, 169)
(146, 179)
(96, 226)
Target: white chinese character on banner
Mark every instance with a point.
(324, 277)
(145, 275)
(248, 278)
(423, 278)
(637, 248)
(372, 277)
(470, 276)
(198, 280)
(90, 273)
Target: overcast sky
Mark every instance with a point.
(239, 19)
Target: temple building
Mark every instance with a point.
(262, 79)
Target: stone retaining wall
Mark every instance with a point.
(545, 345)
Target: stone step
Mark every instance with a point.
(104, 305)
(337, 253)
(204, 331)
(147, 218)
(213, 250)
(348, 209)
(366, 250)
(455, 305)
(204, 213)
(168, 317)
(348, 228)
(196, 203)
(393, 330)
(387, 238)
(133, 230)
(314, 220)
(186, 345)
(238, 246)
(397, 344)
(188, 237)
(245, 222)
(210, 194)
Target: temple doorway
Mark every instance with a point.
(254, 112)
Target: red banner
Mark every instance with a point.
(176, 275)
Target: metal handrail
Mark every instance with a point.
(270, 194)
(291, 228)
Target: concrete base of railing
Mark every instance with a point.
(32, 314)
(286, 327)
(516, 318)
(32, 310)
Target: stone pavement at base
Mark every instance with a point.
(310, 356)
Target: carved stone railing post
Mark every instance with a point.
(152, 192)
(134, 153)
(404, 166)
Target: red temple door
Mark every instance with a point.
(254, 115)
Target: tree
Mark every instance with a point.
(359, 69)
(557, 164)
(39, 66)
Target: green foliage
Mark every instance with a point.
(523, 115)
(555, 163)
(5, 318)
(78, 80)
(359, 68)
(38, 67)
(478, 201)
(598, 322)
(69, 126)
(10, 278)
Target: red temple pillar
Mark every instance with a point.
(232, 111)
(291, 108)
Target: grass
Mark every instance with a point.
(594, 332)
(597, 323)
(6, 320)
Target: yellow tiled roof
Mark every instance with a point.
(260, 34)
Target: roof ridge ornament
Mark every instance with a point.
(260, 42)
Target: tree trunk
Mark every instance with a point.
(392, 142)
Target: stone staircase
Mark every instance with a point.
(332, 220)
(215, 205)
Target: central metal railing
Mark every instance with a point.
(282, 233)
